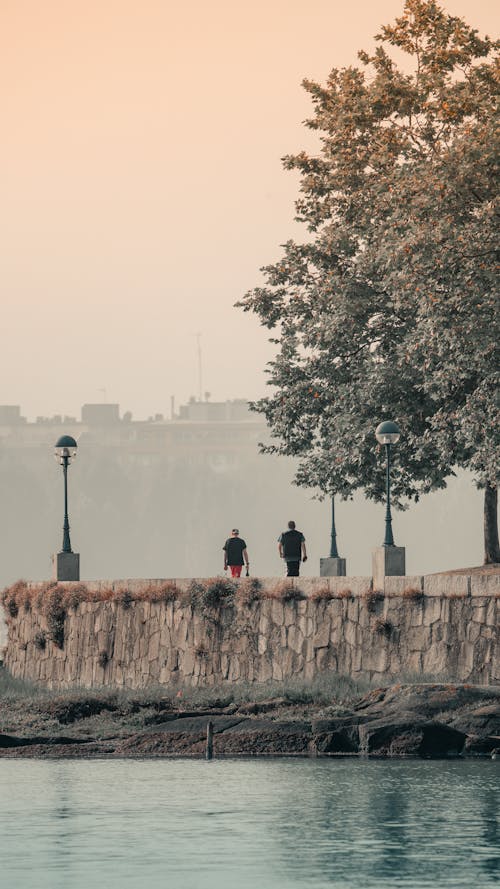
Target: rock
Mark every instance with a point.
(337, 742)
(387, 737)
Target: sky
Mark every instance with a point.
(142, 187)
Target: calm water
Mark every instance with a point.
(265, 824)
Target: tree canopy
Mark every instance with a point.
(387, 309)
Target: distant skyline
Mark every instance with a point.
(142, 187)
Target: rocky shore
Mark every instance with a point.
(423, 720)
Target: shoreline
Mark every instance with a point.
(414, 720)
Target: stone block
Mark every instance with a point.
(446, 585)
(277, 613)
(485, 584)
(295, 639)
(304, 585)
(322, 637)
(387, 561)
(331, 567)
(397, 585)
(356, 585)
(66, 566)
(262, 644)
(417, 639)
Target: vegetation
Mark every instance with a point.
(387, 310)
(54, 600)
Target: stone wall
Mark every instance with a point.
(441, 626)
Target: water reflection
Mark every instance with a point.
(273, 824)
(490, 809)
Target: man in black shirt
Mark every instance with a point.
(235, 551)
(292, 548)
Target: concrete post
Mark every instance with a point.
(387, 561)
(331, 567)
(66, 566)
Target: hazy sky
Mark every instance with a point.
(142, 186)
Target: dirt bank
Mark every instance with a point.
(402, 720)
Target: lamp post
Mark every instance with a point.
(334, 553)
(333, 566)
(388, 433)
(66, 563)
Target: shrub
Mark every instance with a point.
(413, 594)
(124, 597)
(168, 592)
(249, 590)
(75, 594)
(373, 598)
(103, 659)
(157, 592)
(384, 627)
(39, 640)
(12, 608)
(218, 592)
(286, 592)
(192, 595)
(322, 593)
(55, 614)
(15, 596)
(345, 594)
(201, 652)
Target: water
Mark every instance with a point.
(236, 824)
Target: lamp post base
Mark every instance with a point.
(332, 567)
(387, 561)
(66, 566)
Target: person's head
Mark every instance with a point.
(234, 532)
(291, 525)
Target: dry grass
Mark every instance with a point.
(322, 594)
(413, 594)
(373, 598)
(249, 590)
(285, 591)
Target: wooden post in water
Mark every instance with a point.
(210, 739)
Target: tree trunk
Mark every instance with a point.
(491, 545)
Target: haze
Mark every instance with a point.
(143, 189)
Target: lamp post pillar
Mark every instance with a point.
(334, 554)
(333, 566)
(66, 547)
(389, 539)
(66, 564)
(388, 560)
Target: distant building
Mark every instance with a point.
(10, 415)
(234, 411)
(100, 414)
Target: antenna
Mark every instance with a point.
(200, 386)
(104, 395)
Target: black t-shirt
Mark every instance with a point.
(291, 542)
(234, 547)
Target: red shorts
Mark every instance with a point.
(236, 570)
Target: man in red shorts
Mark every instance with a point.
(235, 553)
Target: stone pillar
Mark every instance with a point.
(66, 566)
(331, 567)
(387, 561)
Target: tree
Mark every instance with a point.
(387, 309)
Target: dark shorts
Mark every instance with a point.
(292, 568)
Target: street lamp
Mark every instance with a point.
(388, 433)
(334, 553)
(65, 451)
(333, 566)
